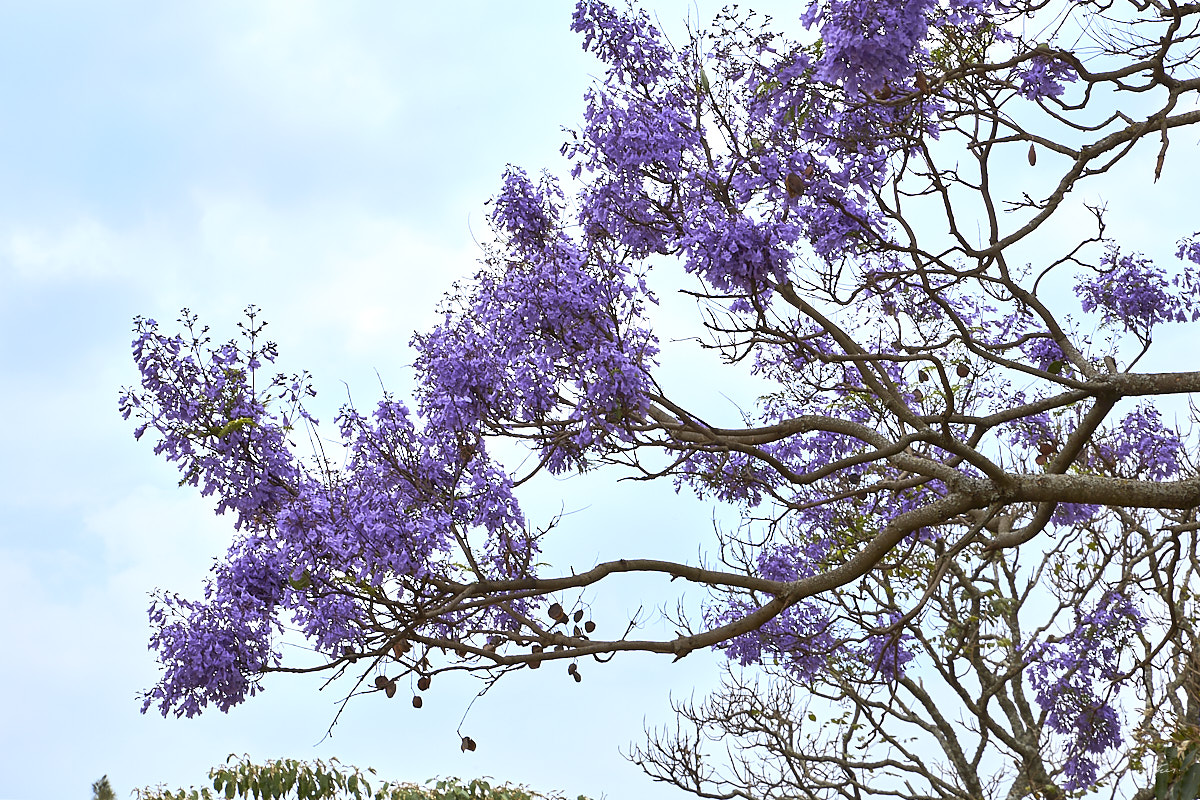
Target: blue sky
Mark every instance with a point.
(329, 163)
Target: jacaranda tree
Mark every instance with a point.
(969, 551)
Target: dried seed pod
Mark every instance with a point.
(423, 682)
(589, 626)
(922, 375)
(918, 396)
(556, 613)
(1032, 156)
(1046, 448)
(417, 701)
(467, 744)
(391, 689)
(808, 172)
(572, 669)
(577, 677)
(922, 81)
(381, 681)
(794, 185)
(578, 615)
(963, 370)
(400, 647)
(1041, 461)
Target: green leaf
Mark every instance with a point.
(1189, 787)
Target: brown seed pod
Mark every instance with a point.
(589, 626)
(423, 682)
(1041, 461)
(922, 81)
(381, 681)
(417, 701)
(808, 172)
(794, 185)
(572, 669)
(1032, 156)
(922, 375)
(391, 689)
(918, 396)
(399, 648)
(578, 615)
(1046, 448)
(468, 744)
(963, 370)
(556, 612)
(577, 677)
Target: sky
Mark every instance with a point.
(328, 163)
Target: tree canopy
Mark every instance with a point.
(289, 778)
(967, 559)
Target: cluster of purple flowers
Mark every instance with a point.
(1043, 76)
(1068, 676)
(1130, 291)
(807, 640)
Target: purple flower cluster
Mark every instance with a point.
(1140, 447)
(629, 43)
(806, 639)
(1043, 76)
(1131, 292)
(1065, 674)
(551, 336)
(869, 43)
(391, 515)
(202, 402)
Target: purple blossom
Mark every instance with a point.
(1131, 292)
(868, 43)
(1043, 76)
(1065, 675)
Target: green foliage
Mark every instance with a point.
(289, 779)
(102, 790)
(1178, 775)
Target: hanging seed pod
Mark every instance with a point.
(922, 81)
(918, 396)
(589, 626)
(381, 681)
(423, 682)
(794, 185)
(417, 701)
(391, 689)
(1032, 156)
(467, 744)
(963, 370)
(808, 171)
(556, 613)
(578, 615)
